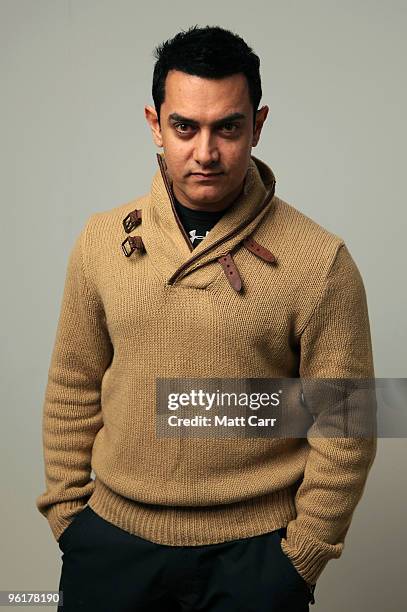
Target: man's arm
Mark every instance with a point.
(335, 343)
(72, 413)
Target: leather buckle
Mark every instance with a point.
(132, 220)
(259, 250)
(134, 243)
(231, 271)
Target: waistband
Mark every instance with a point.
(194, 525)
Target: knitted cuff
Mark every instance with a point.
(60, 515)
(308, 556)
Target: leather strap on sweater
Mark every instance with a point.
(134, 242)
(132, 220)
(259, 250)
(231, 271)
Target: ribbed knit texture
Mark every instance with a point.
(122, 325)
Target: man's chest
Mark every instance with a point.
(200, 309)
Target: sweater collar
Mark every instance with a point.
(165, 239)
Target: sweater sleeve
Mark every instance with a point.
(71, 410)
(335, 343)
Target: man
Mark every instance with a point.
(210, 275)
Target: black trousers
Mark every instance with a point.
(107, 569)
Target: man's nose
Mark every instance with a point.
(206, 152)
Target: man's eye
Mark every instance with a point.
(178, 125)
(229, 128)
(233, 127)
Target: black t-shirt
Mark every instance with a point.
(197, 223)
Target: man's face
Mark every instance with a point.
(206, 128)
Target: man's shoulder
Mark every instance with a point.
(105, 227)
(117, 213)
(296, 235)
(293, 220)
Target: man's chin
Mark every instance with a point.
(205, 193)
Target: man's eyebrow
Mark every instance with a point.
(227, 119)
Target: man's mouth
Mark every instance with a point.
(206, 175)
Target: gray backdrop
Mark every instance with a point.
(75, 76)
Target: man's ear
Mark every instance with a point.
(260, 119)
(152, 119)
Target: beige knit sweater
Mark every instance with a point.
(295, 308)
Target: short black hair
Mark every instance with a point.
(208, 52)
